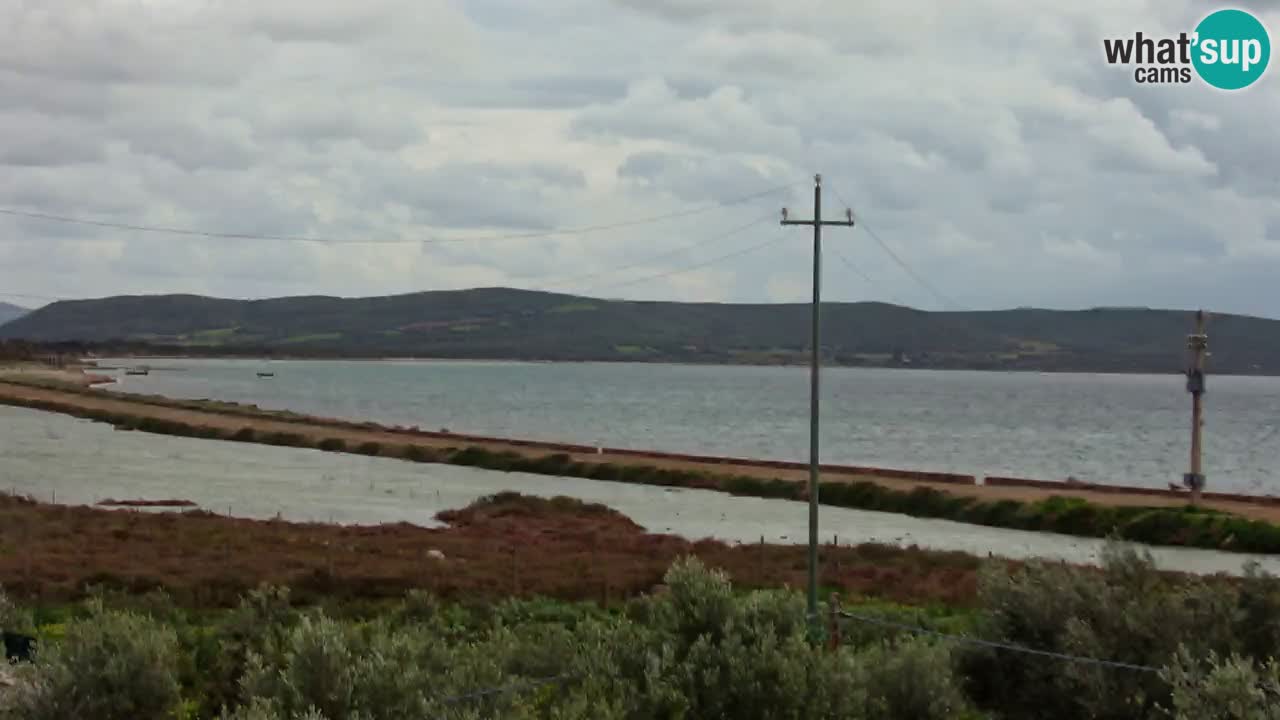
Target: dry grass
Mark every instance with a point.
(508, 546)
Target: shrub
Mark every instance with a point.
(417, 453)
(13, 618)
(472, 456)
(244, 434)
(555, 464)
(208, 432)
(285, 439)
(913, 678)
(109, 666)
(1127, 612)
(346, 673)
(333, 445)
(604, 471)
(751, 657)
(1216, 689)
(369, 448)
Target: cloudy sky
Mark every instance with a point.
(439, 143)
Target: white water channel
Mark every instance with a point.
(55, 457)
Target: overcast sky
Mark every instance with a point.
(986, 142)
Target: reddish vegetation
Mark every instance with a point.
(146, 503)
(512, 545)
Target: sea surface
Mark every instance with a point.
(1119, 429)
(72, 461)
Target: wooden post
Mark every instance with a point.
(833, 622)
(760, 564)
(515, 573)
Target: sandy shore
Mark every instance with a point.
(82, 376)
(317, 429)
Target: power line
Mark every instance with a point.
(997, 645)
(564, 281)
(627, 223)
(849, 264)
(690, 268)
(576, 279)
(857, 270)
(907, 268)
(374, 241)
(25, 296)
(898, 260)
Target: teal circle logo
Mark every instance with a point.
(1232, 49)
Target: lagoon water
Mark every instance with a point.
(1122, 429)
(68, 460)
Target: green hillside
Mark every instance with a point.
(503, 323)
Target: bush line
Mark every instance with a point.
(1185, 526)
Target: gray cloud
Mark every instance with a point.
(988, 142)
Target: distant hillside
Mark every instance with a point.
(517, 324)
(10, 312)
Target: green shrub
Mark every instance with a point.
(109, 666)
(1234, 688)
(472, 456)
(244, 434)
(332, 444)
(207, 432)
(13, 618)
(1128, 612)
(912, 678)
(417, 453)
(555, 464)
(369, 448)
(285, 439)
(749, 486)
(637, 474)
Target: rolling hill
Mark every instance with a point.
(500, 323)
(9, 312)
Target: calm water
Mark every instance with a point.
(55, 457)
(1123, 429)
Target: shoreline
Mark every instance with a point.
(798, 364)
(1223, 522)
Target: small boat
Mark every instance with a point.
(266, 374)
(140, 370)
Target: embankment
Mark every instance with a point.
(1238, 524)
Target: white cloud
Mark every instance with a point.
(987, 141)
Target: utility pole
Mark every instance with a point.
(1198, 344)
(815, 361)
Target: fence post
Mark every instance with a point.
(760, 564)
(833, 634)
(515, 573)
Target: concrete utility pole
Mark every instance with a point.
(817, 222)
(1198, 343)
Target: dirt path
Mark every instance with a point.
(317, 429)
